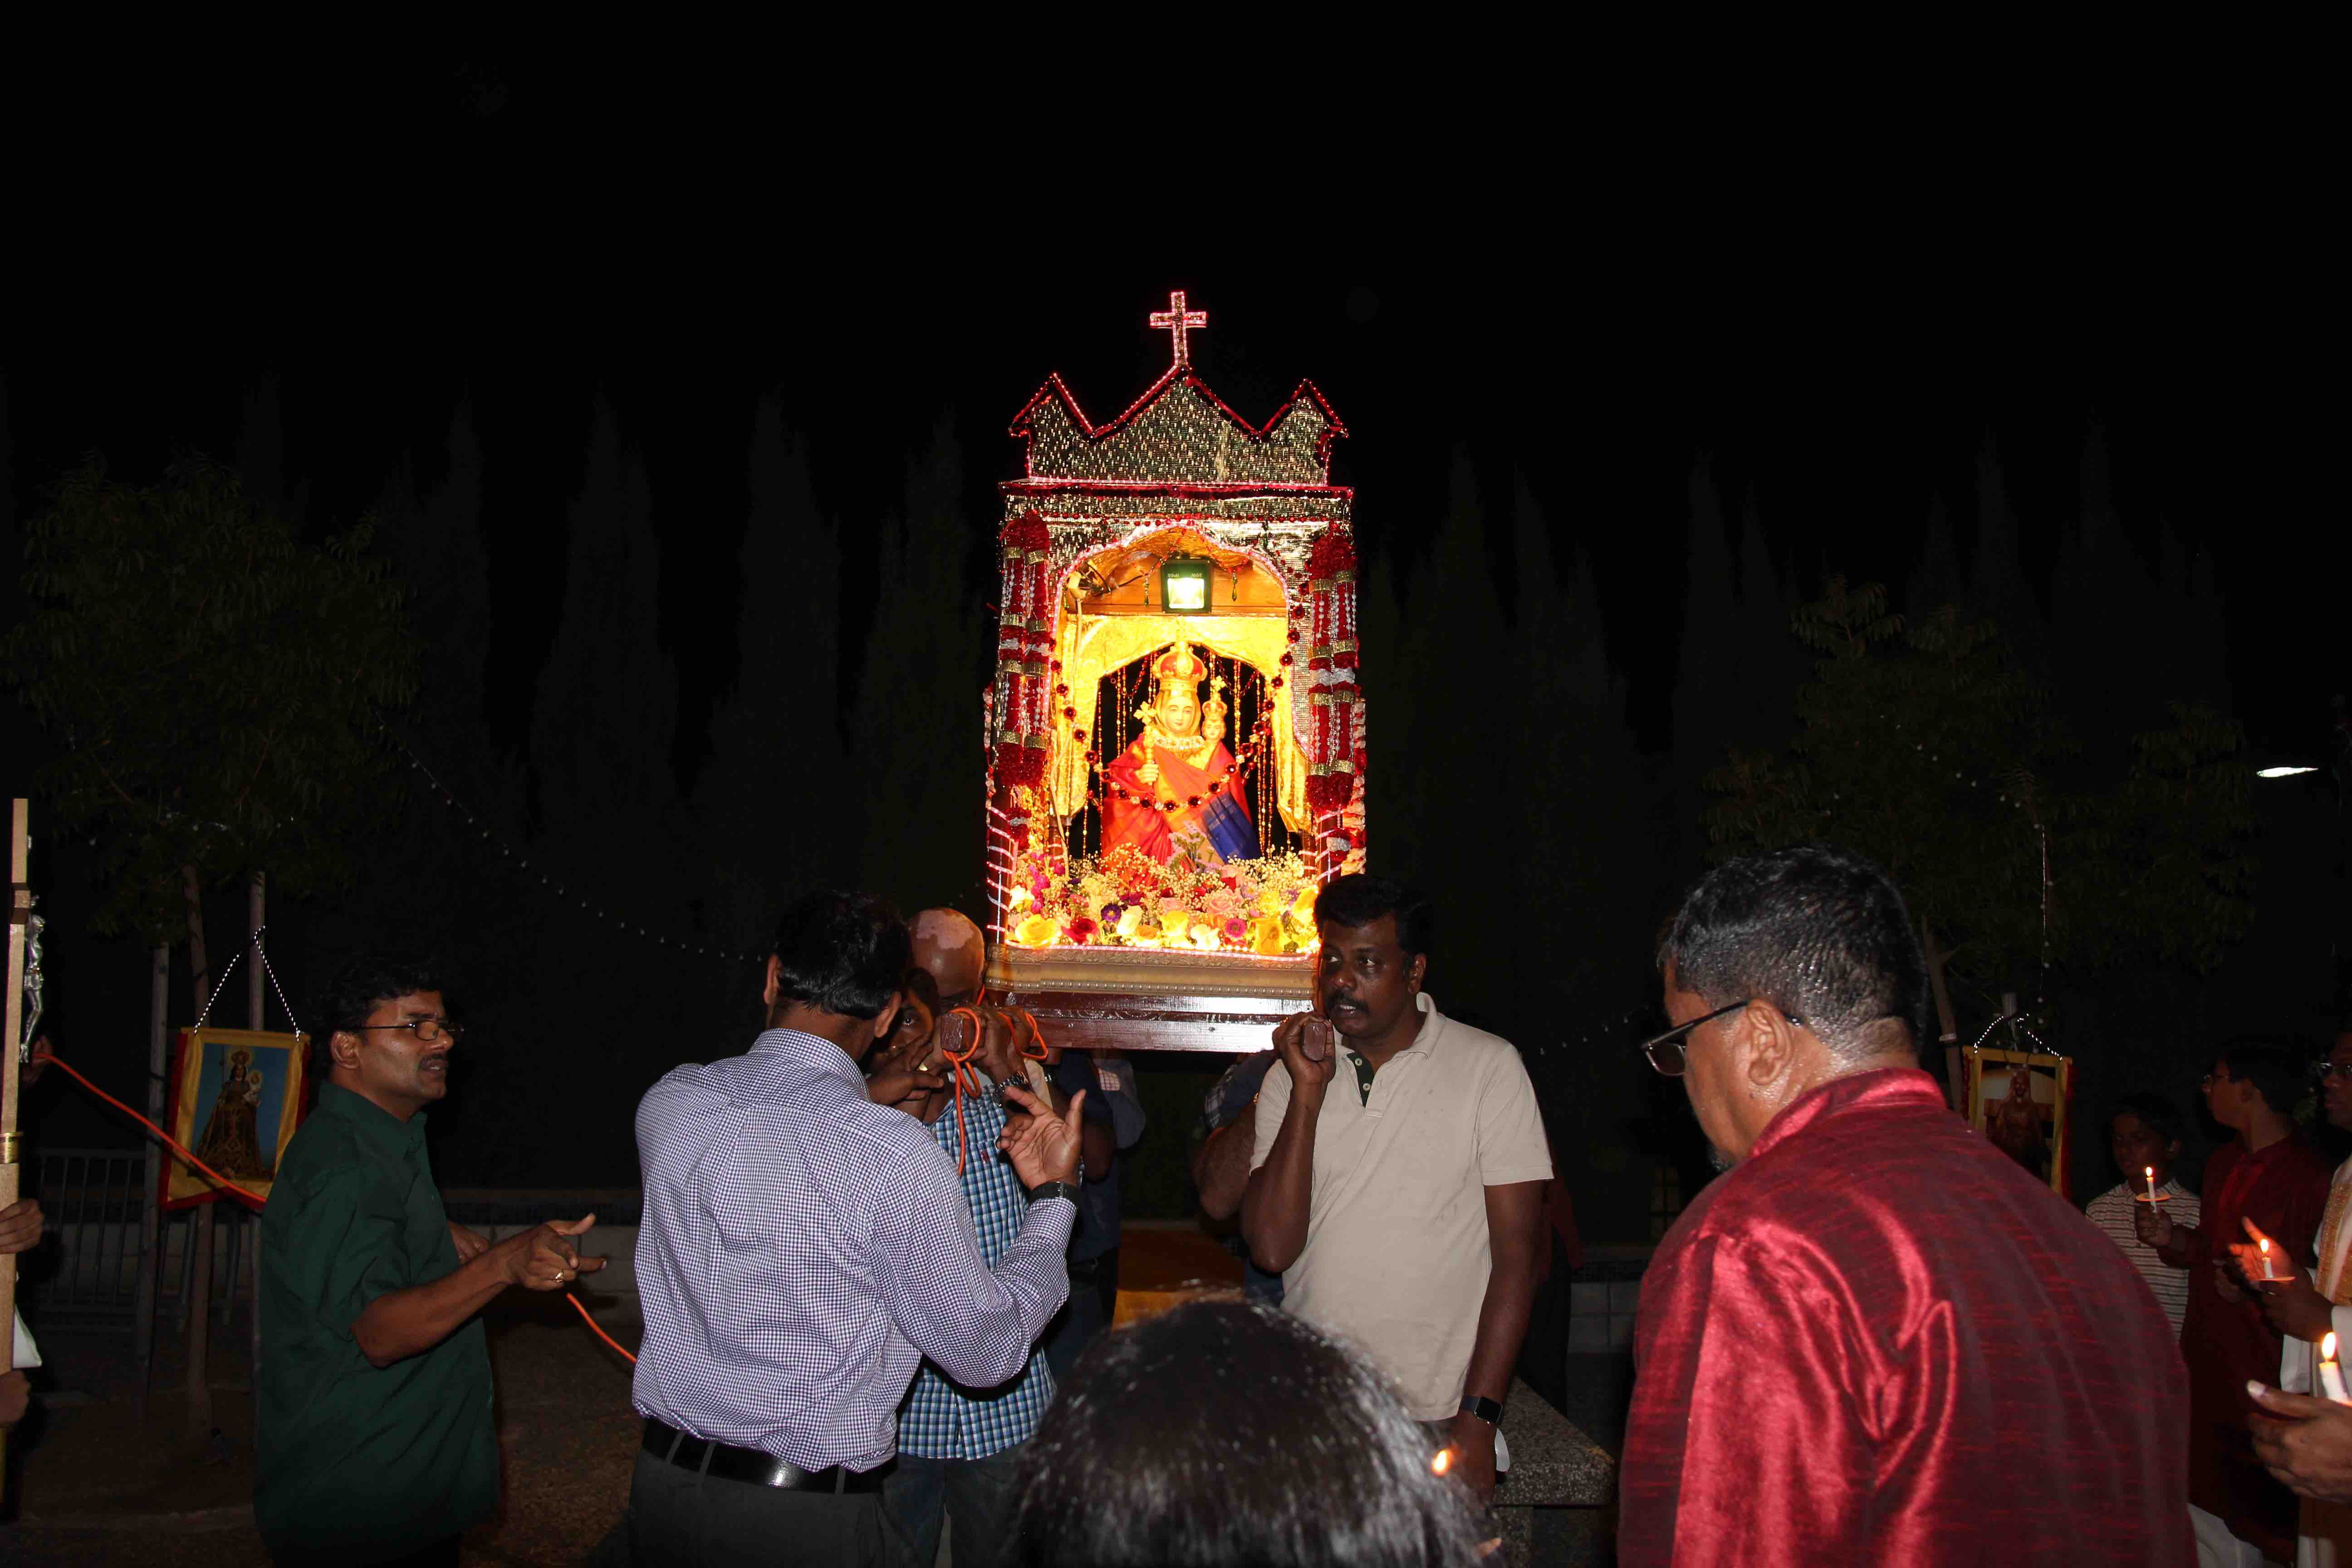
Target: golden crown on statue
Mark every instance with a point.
(1180, 663)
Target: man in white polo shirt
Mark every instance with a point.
(1397, 1182)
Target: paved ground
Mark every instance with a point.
(92, 1483)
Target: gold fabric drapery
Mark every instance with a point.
(1090, 646)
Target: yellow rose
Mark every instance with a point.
(1305, 908)
(1266, 935)
(1269, 900)
(1130, 920)
(1038, 931)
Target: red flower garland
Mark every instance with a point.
(1025, 648)
(1335, 699)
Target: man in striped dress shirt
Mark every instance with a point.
(2143, 1135)
(802, 1249)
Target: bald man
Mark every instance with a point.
(956, 1446)
(948, 944)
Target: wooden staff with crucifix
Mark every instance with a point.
(20, 917)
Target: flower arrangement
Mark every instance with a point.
(1125, 899)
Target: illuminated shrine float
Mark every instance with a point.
(1176, 756)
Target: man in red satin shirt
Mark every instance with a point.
(1876, 1339)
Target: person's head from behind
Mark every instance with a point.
(839, 960)
(1225, 1433)
(2255, 1073)
(1795, 967)
(1375, 954)
(948, 945)
(385, 1034)
(2143, 1135)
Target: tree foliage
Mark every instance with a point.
(214, 685)
(1927, 746)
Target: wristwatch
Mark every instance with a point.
(1044, 1190)
(1490, 1411)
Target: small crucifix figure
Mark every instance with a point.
(1175, 320)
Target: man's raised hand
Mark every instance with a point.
(903, 1077)
(545, 1258)
(1044, 1147)
(1291, 1043)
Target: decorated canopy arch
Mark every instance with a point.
(1175, 729)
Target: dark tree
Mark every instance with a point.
(214, 687)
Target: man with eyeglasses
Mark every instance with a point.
(376, 1441)
(1875, 1340)
(2267, 1174)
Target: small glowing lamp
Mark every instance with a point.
(1184, 585)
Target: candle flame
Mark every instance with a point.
(2265, 1245)
(2327, 1345)
(1443, 1461)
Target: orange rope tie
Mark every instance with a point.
(960, 1062)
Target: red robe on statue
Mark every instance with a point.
(1152, 830)
(2282, 1189)
(1877, 1340)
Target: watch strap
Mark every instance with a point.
(1490, 1411)
(1044, 1190)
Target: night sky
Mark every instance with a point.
(1842, 337)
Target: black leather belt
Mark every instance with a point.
(728, 1463)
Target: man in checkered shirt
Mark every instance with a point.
(957, 1445)
(802, 1249)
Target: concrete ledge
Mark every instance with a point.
(1553, 1464)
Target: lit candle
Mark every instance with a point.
(1443, 1460)
(2151, 1185)
(2331, 1372)
(2265, 1245)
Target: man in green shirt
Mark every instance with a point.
(376, 1441)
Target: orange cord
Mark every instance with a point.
(595, 1329)
(960, 1063)
(255, 1199)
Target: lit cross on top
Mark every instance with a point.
(1175, 320)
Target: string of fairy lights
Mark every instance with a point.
(561, 890)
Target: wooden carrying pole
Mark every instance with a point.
(20, 915)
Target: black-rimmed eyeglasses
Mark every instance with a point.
(1665, 1052)
(2323, 1072)
(429, 1031)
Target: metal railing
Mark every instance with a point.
(88, 1268)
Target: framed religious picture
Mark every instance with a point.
(236, 1099)
(2020, 1100)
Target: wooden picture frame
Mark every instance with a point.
(1992, 1081)
(237, 1097)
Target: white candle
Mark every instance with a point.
(2151, 1185)
(2331, 1372)
(2265, 1245)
